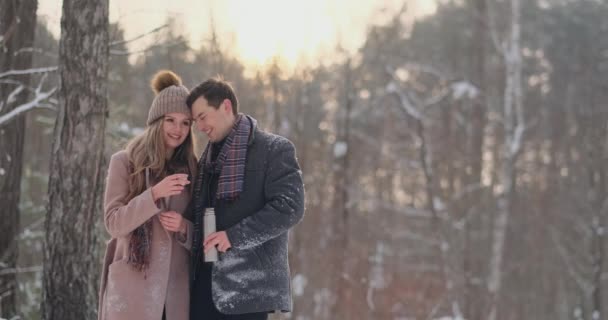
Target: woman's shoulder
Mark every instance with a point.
(120, 156)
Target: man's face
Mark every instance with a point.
(215, 123)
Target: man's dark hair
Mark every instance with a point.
(214, 90)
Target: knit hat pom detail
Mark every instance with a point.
(164, 79)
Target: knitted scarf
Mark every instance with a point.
(139, 243)
(229, 164)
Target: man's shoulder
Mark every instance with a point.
(272, 142)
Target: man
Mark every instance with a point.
(253, 181)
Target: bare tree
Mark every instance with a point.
(341, 223)
(71, 262)
(448, 240)
(273, 108)
(474, 246)
(514, 127)
(17, 27)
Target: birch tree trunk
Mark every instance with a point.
(513, 132)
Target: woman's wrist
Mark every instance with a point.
(154, 197)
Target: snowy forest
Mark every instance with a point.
(455, 165)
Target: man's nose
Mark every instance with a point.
(200, 125)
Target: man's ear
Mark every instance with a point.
(227, 105)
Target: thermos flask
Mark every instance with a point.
(209, 228)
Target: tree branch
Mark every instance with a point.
(500, 46)
(116, 43)
(127, 52)
(20, 270)
(35, 50)
(28, 71)
(37, 102)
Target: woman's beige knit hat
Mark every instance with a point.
(170, 95)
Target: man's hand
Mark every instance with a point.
(219, 239)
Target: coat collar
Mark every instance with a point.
(254, 127)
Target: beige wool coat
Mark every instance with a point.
(128, 294)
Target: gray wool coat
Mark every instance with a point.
(254, 275)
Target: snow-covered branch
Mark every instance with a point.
(28, 231)
(461, 89)
(516, 142)
(435, 99)
(11, 96)
(39, 101)
(164, 45)
(116, 43)
(405, 101)
(20, 270)
(9, 81)
(414, 106)
(27, 71)
(427, 69)
(35, 50)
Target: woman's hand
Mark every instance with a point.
(170, 186)
(173, 221)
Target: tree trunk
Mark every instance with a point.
(344, 307)
(276, 107)
(513, 132)
(17, 28)
(473, 243)
(71, 263)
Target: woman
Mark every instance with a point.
(146, 267)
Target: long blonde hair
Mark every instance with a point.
(148, 150)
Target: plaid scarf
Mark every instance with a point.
(139, 243)
(230, 162)
(139, 247)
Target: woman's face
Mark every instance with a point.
(176, 127)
